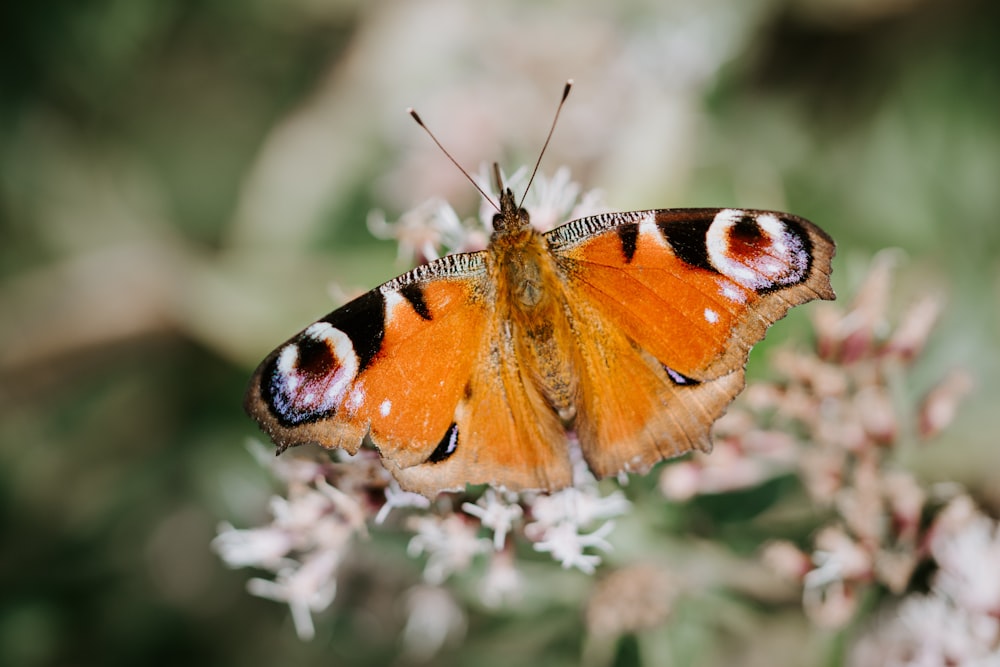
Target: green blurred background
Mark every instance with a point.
(182, 182)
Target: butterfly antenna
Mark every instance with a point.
(565, 94)
(453, 160)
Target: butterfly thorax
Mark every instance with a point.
(531, 301)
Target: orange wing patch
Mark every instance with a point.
(503, 433)
(410, 394)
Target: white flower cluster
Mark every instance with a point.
(958, 621)
(433, 228)
(561, 519)
(314, 525)
(311, 530)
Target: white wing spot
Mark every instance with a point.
(648, 229)
(385, 408)
(392, 299)
(711, 316)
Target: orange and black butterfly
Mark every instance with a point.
(623, 334)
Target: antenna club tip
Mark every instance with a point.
(413, 114)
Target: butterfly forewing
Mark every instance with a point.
(386, 362)
(696, 288)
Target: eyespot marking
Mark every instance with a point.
(309, 377)
(758, 251)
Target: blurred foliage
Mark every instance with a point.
(180, 182)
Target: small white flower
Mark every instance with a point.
(493, 512)
(838, 558)
(423, 233)
(347, 507)
(300, 511)
(926, 631)
(556, 199)
(255, 547)
(681, 481)
(289, 469)
(395, 497)
(579, 506)
(308, 588)
(560, 518)
(450, 544)
(566, 544)
(550, 202)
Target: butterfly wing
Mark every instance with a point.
(420, 365)
(631, 414)
(666, 306)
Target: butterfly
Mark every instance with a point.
(621, 336)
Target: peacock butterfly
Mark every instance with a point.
(623, 334)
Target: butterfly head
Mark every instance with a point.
(511, 216)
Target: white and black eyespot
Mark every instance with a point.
(308, 378)
(758, 251)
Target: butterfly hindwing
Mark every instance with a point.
(632, 412)
(504, 433)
